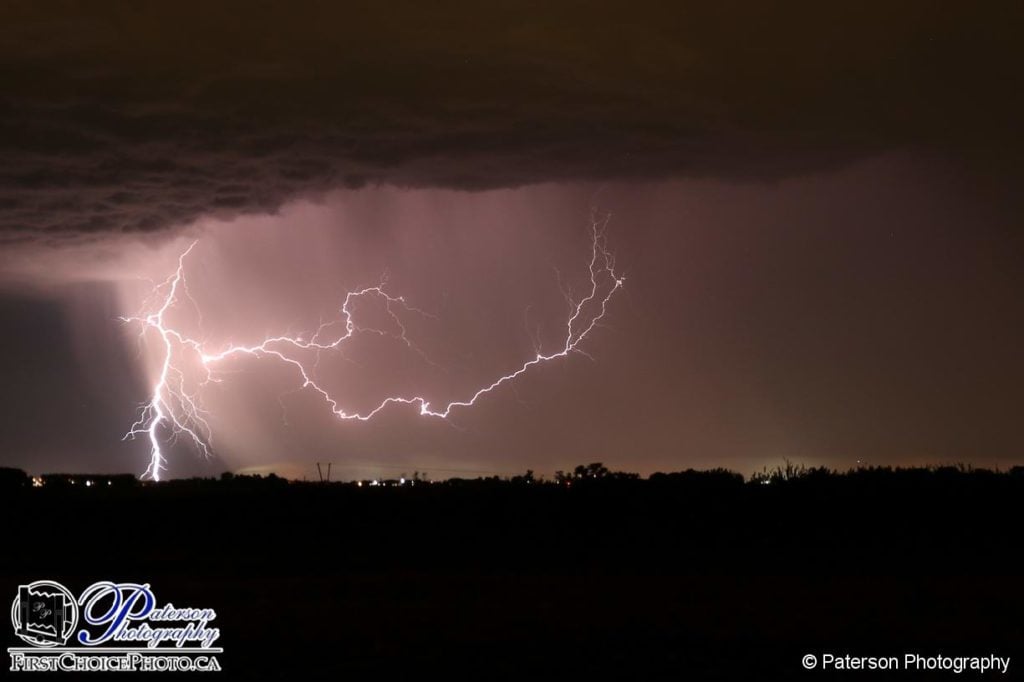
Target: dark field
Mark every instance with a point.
(689, 576)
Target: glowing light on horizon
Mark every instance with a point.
(176, 408)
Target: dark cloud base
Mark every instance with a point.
(131, 117)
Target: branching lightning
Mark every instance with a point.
(174, 408)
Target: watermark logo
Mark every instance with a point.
(109, 627)
(44, 613)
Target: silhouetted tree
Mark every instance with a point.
(593, 470)
(13, 478)
(526, 478)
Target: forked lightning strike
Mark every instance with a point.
(176, 409)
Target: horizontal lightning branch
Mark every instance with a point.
(174, 409)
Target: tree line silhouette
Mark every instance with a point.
(596, 473)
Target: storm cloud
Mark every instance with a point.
(136, 117)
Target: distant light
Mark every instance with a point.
(110, 483)
(401, 481)
(37, 481)
(359, 484)
(88, 484)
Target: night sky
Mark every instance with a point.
(816, 209)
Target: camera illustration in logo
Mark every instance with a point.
(44, 613)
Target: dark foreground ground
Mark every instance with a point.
(694, 577)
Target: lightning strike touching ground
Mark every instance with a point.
(174, 409)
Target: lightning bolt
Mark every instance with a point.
(174, 408)
(169, 406)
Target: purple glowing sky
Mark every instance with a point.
(759, 322)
